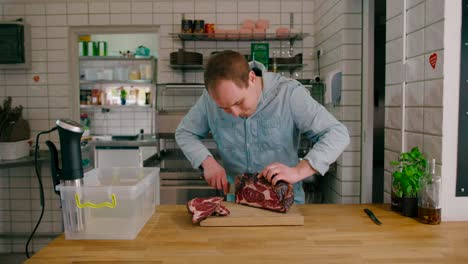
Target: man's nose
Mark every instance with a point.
(235, 111)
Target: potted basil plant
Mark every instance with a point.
(410, 167)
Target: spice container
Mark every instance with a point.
(83, 48)
(429, 208)
(135, 74)
(198, 26)
(186, 26)
(102, 48)
(92, 48)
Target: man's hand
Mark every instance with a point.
(214, 174)
(279, 172)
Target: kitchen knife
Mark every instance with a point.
(231, 196)
(372, 216)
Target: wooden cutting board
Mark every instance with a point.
(242, 215)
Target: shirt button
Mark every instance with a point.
(248, 145)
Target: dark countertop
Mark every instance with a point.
(174, 160)
(44, 156)
(147, 140)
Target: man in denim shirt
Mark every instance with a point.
(256, 123)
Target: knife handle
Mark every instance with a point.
(372, 216)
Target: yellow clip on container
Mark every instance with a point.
(112, 203)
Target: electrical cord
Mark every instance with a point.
(41, 189)
(318, 61)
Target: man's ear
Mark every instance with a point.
(252, 76)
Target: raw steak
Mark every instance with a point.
(258, 192)
(201, 208)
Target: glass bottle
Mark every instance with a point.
(429, 203)
(275, 64)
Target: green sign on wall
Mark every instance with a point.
(260, 52)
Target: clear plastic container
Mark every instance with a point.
(112, 203)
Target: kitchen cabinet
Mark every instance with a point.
(109, 157)
(123, 151)
(179, 181)
(122, 156)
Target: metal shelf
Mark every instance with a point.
(115, 106)
(84, 82)
(93, 58)
(288, 67)
(240, 37)
(187, 67)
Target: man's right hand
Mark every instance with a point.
(215, 175)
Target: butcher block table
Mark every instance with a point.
(331, 234)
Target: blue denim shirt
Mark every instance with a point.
(272, 134)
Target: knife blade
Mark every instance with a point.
(372, 216)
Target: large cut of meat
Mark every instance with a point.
(258, 192)
(201, 208)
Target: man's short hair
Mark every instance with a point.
(227, 65)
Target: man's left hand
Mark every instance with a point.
(279, 172)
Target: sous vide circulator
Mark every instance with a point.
(71, 171)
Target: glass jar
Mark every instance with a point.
(429, 203)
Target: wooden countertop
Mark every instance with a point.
(331, 234)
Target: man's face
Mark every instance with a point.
(235, 100)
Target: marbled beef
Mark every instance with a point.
(258, 192)
(201, 208)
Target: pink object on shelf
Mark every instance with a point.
(282, 32)
(220, 33)
(262, 23)
(248, 23)
(232, 34)
(245, 33)
(259, 33)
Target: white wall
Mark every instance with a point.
(453, 208)
(432, 95)
(414, 91)
(338, 32)
(49, 99)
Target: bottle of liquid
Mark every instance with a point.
(275, 63)
(429, 204)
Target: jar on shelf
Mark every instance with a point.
(135, 74)
(429, 204)
(95, 97)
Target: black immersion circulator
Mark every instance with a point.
(71, 172)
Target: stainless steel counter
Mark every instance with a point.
(147, 140)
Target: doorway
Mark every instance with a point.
(379, 101)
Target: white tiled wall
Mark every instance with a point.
(20, 209)
(423, 97)
(228, 14)
(125, 121)
(338, 33)
(49, 98)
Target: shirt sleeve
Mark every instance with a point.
(194, 127)
(330, 136)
